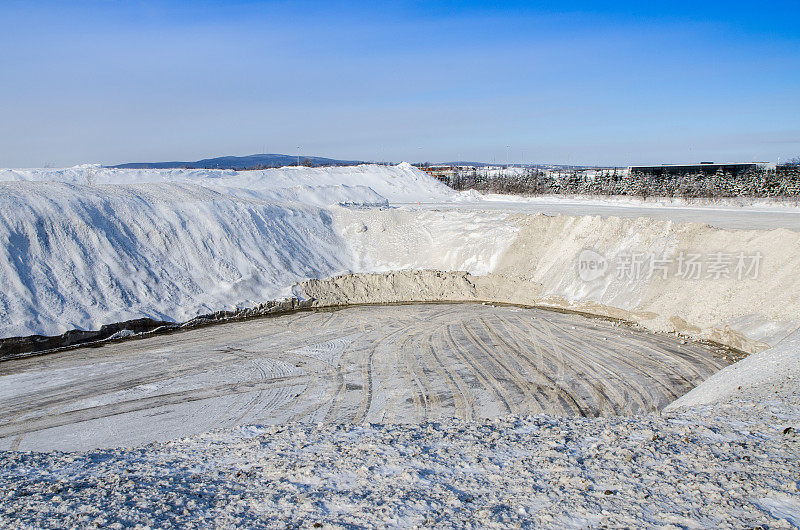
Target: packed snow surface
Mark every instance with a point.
(384, 364)
(737, 214)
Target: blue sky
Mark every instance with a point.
(582, 82)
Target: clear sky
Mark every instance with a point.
(582, 82)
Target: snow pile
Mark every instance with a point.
(402, 238)
(172, 244)
(545, 253)
(83, 256)
(400, 183)
(321, 196)
(169, 244)
(759, 376)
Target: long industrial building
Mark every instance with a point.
(705, 168)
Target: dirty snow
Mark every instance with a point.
(389, 364)
(731, 465)
(541, 253)
(769, 369)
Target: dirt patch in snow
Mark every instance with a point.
(404, 286)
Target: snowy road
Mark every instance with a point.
(720, 216)
(368, 364)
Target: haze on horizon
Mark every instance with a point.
(113, 82)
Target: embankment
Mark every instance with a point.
(730, 286)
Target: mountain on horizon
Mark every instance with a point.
(257, 161)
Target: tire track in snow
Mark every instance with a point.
(403, 363)
(548, 384)
(480, 373)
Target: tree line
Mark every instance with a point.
(781, 182)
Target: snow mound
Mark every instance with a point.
(544, 252)
(87, 246)
(758, 376)
(83, 256)
(169, 244)
(400, 183)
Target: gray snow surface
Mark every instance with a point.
(730, 465)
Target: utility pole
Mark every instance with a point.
(298, 156)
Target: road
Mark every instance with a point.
(364, 364)
(722, 216)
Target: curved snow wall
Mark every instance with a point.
(87, 246)
(738, 288)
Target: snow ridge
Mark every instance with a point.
(173, 244)
(400, 183)
(83, 256)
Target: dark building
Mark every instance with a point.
(703, 168)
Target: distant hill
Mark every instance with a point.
(242, 162)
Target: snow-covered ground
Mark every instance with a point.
(731, 465)
(87, 246)
(738, 214)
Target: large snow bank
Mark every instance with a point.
(544, 252)
(82, 256)
(170, 244)
(88, 246)
(400, 183)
